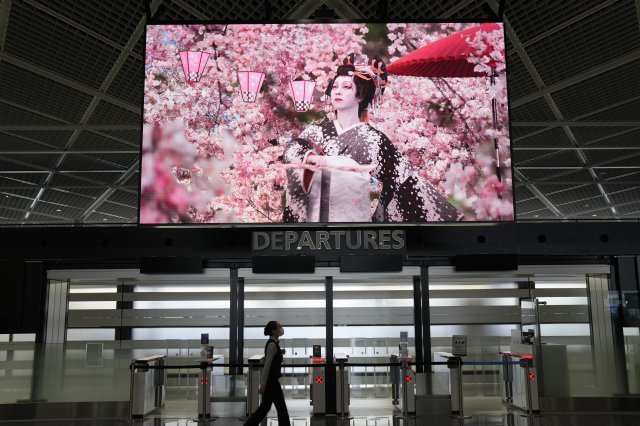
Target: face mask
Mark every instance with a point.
(281, 332)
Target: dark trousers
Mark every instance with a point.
(272, 395)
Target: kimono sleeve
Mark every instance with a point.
(406, 196)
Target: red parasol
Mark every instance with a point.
(446, 57)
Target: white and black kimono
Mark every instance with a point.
(403, 196)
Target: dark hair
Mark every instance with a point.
(268, 329)
(365, 89)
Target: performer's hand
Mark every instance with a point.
(261, 389)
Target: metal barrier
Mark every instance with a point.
(253, 384)
(522, 383)
(148, 385)
(144, 386)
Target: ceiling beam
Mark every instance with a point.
(78, 26)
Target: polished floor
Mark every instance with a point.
(364, 412)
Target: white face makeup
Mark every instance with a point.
(343, 93)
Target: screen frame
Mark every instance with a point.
(321, 21)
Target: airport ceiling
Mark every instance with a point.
(70, 99)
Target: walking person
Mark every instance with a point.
(270, 388)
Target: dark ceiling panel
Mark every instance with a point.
(85, 162)
(629, 210)
(624, 196)
(554, 159)
(57, 210)
(16, 199)
(55, 138)
(627, 111)
(122, 197)
(582, 45)
(563, 194)
(88, 62)
(535, 110)
(95, 142)
(41, 94)
(522, 193)
(536, 215)
(99, 218)
(113, 19)
(519, 79)
(20, 179)
(118, 210)
(69, 197)
(129, 82)
(554, 137)
(579, 207)
(529, 206)
(42, 219)
(596, 157)
(586, 135)
(106, 113)
(532, 18)
(12, 115)
(9, 142)
(10, 215)
(600, 91)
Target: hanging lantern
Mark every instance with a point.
(193, 64)
(302, 93)
(250, 84)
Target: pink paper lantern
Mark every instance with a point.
(302, 93)
(193, 64)
(250, 84)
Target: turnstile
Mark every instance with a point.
(454, 364)
(253, 384)
(148, 386)
(403, 385)
(522, 381)
(317, 379)
(204, 387)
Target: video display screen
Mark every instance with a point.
(323, 123)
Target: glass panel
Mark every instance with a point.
(299, 305)
(369, 316)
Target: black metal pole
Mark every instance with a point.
(233, 321)
(330, 371)
(417, 323)
(426, 323)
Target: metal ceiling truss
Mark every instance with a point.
(304, 9)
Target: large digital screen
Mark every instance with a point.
(320, 123)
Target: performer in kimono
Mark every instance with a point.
(345, 170)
